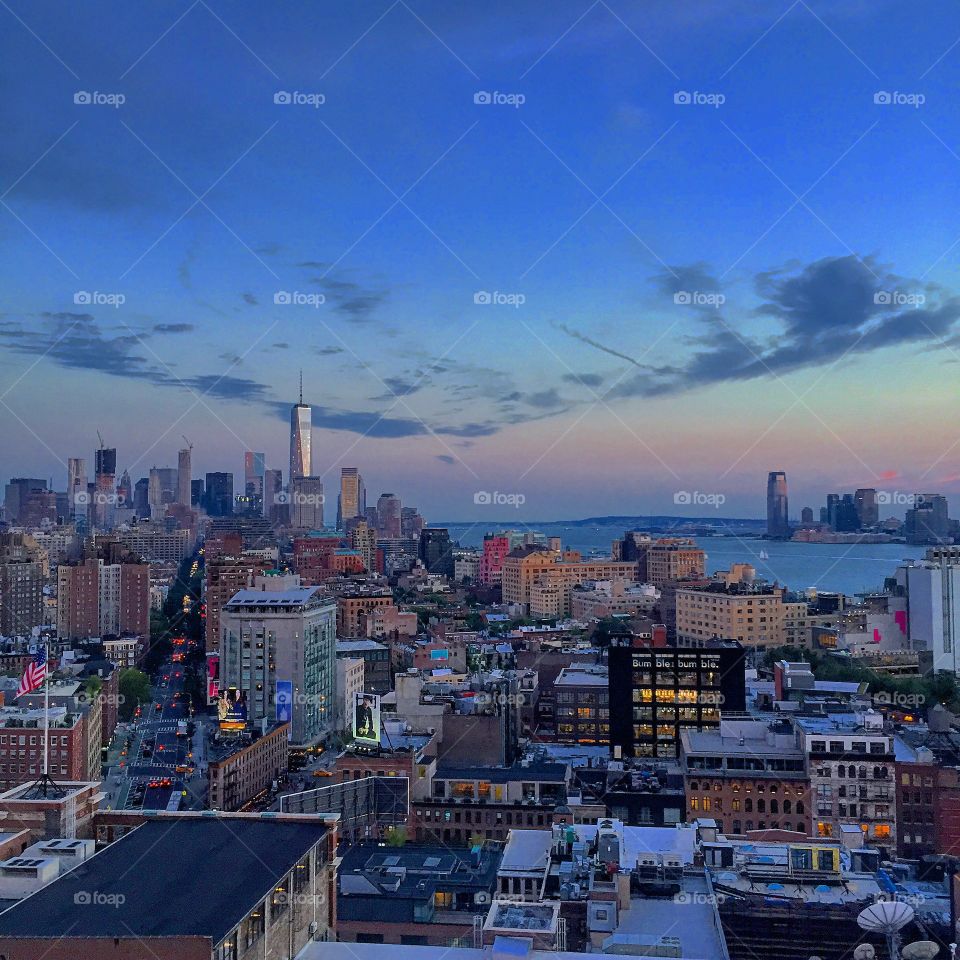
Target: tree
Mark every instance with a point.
(395, 836)
(134, 688)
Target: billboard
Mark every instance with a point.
(232, 709)
(366, 718)
(213, 678)
(284, 701)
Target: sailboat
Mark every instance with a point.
(764, 555)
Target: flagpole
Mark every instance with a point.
(46, 712)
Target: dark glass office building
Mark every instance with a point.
(655, 692)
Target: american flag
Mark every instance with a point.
(35, 673)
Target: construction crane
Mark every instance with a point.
(100, 438)
(189, 444)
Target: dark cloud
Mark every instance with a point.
(173, 327)
(327, 351)
(445, 458)
(280, 345)
(544, 399)
(354, 301)
(400, 387)
(590, 342)
(585, 379)
(833, 308)
(250, 298)
(228, 388)
(470, 430)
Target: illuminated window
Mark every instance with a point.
(824, 829)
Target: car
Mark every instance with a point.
(322, 773)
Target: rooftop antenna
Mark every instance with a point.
(301, 386)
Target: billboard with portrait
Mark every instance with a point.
(366, 718)
(232, 709)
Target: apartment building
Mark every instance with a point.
(851, 765)
(543, 580)
(239, 770)
(747, 775)
(756, 616)
(225, 575)
(95, 598)
(673, 559)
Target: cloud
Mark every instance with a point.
(228, 388)
(585, 379)
(544, 399)
(400, 387)
(328, 351)
(833, 308)
(445, 458)
(356, 302)
(173, 327)
(250, 298)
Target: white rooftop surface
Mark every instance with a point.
(527, 851)
(274, 598)
(637, 841)
(690, 917)
(317, 950)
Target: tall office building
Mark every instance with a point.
(254, 466)
(306, 503)
(16, 495)
(436, 551)
(125, 490)
(388, 515)
(301, 453)
(77, 490)
(272, 486)
(927, 521)
(353, 496)
(106, 482)
(778, 524)
(219, 494)
(279, 637)
(184, 476)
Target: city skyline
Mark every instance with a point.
(561, 284)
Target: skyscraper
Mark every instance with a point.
(272, 485)
(184, 476)
(353, 496)
(388, 515)
(254, 466)
(778, 524)
(301, 456)
(868, 513)
(306, 503)
(77, 489)
(106, 482)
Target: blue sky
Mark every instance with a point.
(702, 283)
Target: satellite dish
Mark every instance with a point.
(864, 951)
(885, 916)
(920, 950)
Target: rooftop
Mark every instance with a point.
(358, 646)
(294, 597)
(551, 772)
(160, 869)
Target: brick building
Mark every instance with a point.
(239, 770)
(747, 775)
